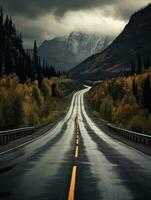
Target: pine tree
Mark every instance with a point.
(134, 89)
(6, 24)
(35, 61)
(1, 18)
(139, 65)
(14, 59)
(54, 89)
(146, 96)
(1, 42)
(44, 63)
(147, 62)
(133, 70)
(1, 27)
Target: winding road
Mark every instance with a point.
(75, 160)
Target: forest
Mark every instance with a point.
(124, 101)
(15, 59)
(23, 105)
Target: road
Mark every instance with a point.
(75, 160)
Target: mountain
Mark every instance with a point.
(67, 51)
(133, 42)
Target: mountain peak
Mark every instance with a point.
(69, 50)
(75, 33)
(123, 52)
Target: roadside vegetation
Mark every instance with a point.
(124, 101)
(28, 104)
(32, 92)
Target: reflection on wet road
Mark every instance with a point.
(75, 160)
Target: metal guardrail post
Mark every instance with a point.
(133, 136)
(10, 135)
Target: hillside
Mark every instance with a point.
(67, 51)
(133, 42)
(124, 101)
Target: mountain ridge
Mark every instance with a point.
(67, 51)
(117, 58)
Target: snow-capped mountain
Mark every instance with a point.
(67, 51)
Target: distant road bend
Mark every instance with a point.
(75, 160)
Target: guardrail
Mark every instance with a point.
(10, 135)
(133, 136)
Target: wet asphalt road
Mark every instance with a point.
(105, 168)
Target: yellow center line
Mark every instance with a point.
(76, 151)
(72, 184)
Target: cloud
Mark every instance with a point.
(36, 8)
(123, 10)
(49, 26)
(44, 19)
(92, 20)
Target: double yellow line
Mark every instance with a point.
(74, 170)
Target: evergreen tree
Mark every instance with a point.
(146, 96)
(44, 63)
(146, 62)
(133, 69)
(35, 61)
(1, 27)
(54, 89)
(1, 18)
(139, 65)
(134, 89)
(1, 43)
(14, 59)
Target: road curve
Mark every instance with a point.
(75, 160)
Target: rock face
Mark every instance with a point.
(134, 41)
(68, 51)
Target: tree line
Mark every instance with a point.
(124, 101)
(28, 104)
(142, 63)
(14, 58)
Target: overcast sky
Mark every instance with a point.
(45, 19)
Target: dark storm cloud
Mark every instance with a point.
(40, 19)
(34, 8)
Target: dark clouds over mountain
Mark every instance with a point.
(55, 17)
